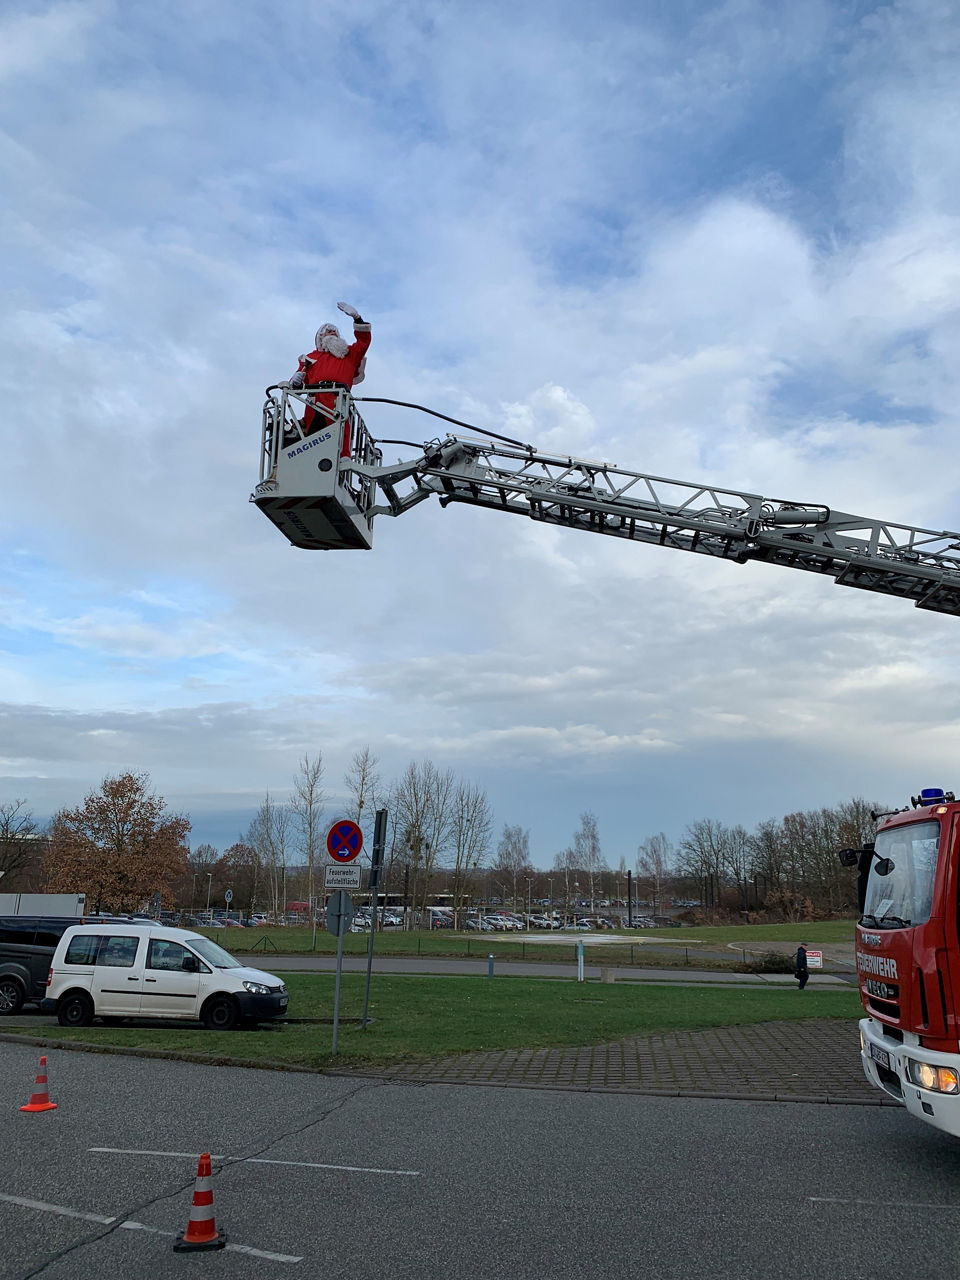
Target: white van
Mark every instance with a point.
(121, 970)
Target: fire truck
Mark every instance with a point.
(907, 956)
(323, 491)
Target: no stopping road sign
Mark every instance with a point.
(344, 840)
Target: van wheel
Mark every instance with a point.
(220, 1013)
(11, 996)
(75, 1010)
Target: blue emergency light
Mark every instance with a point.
(931, 795)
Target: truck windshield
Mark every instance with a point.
(905, 896)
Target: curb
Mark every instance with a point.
(397, 1075)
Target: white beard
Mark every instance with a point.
(332, 344)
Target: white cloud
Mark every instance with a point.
(719, 245)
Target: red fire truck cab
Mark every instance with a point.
(908, 957)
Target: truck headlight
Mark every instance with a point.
(256, 988)
(936, 1079)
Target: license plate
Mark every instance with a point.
(283, 1004)
(880, 1055)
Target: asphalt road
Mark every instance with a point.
(450, 1183)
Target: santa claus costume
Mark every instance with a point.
(332, 360)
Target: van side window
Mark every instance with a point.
(82, 949)
(118, 953)
(49, 933)
(17, 929)
(168, 956)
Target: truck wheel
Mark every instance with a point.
(11, 996)
(75, 1010)
(220, 1013)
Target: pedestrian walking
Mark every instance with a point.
(800, 970)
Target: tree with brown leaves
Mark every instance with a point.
(121, 847)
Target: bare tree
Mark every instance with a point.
(308, 805)
(566, 864)
(737, 862)
(655, 858)
(269, 835)
(362, 780)
(470, 826)
(424, 802)
(513, 856)
(703, 847)
(586, 850)
(21, 843)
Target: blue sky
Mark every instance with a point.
(711, 241)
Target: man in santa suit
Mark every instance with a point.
(332, 360)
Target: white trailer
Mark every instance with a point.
(42, 904)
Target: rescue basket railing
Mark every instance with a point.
(283, 427)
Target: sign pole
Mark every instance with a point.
(376, 862)
(339, 917)
(336, 990)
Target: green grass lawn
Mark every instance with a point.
(268, 942)
(420, 1017)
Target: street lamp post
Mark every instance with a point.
(529, 883)
(209, 887)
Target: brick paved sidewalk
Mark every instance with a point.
(773, 1061)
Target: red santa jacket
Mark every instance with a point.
(321, 366)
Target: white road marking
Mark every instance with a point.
(295, 1164)
(56, 1208)
(231, 1248)
(260, 1253)
(130, 1225)
(342, 1168)
(181, 1155)
(882, 1204)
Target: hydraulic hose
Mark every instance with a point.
(405, 404)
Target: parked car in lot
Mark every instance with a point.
(505, 923)
(27, 946)
(478, 924)
(153, 971)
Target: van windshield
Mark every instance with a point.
(213, 954)
(905, 896)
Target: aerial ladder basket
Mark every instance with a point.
(308, 487)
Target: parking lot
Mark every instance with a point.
(318, 1176)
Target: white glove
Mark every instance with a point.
(295, 383)
(346, 308)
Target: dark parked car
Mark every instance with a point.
(27, 944)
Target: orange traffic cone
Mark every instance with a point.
(40, 1099)
(201, 1232)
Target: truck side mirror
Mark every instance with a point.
(849, 857)
(883, 866)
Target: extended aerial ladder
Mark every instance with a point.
(324, 491)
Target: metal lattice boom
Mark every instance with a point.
(921, 565)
